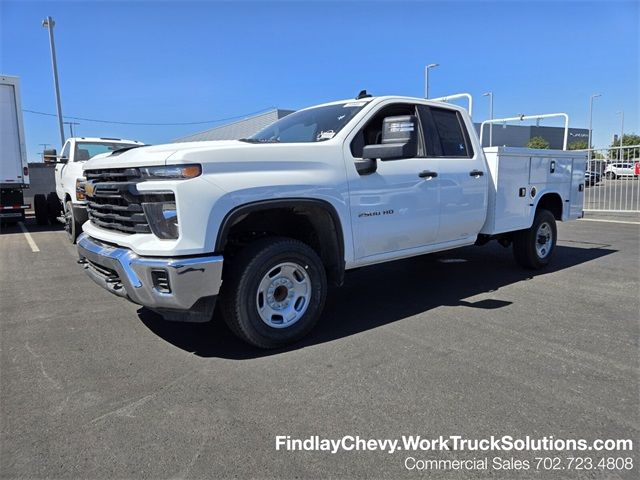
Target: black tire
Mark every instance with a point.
(71, 226)
(526, 242)
(240, 297)
(54, 208)
(40, 208)
(610, 175)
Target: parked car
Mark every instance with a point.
(620, 169)
(263, 224)
(591, 178)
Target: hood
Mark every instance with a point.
(153, 155)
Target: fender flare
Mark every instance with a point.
(241, 211)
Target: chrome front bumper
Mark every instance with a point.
(193, 282)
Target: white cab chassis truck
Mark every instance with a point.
(262, 224)
(14, 169)
(68, 203)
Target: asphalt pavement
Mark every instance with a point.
(459, 343)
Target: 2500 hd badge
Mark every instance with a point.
(376, 213)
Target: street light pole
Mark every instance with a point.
(426, 78)
(595, 95)
(490, 95)
(50, 23)
(621, 132)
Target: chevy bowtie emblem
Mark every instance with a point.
(89, 188)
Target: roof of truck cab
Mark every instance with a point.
(105, 140)
(366, 100)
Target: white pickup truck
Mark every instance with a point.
(262, 224)
(68, 200)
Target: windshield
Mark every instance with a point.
(87, 150)
(312, 125)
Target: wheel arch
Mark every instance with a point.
(326, 236)
(551, 201)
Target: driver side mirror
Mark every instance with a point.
(50, 155)
(399, 139)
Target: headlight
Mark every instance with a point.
(171, 172)
(163, 219)
(80, 188)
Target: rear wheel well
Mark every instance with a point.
(551, 202)
(314, 223)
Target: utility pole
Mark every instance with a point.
(490, 95)
(426, 77)
(71, 124)
(50, 23)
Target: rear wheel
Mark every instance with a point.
(71, 226)
(273, 292)
(40, 209)
(54, 208)
(534, 247)
(610, 175)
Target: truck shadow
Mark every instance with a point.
(379, 295)
(30, 224)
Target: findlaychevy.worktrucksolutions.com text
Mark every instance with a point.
(503, 443)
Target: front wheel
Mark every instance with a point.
(71, 225)
(610, 176)
(534, 247)
(273, 292)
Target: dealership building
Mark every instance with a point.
(510, 135)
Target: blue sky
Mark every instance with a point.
(171, 62)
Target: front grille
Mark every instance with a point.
(114, 202)
(113, 175)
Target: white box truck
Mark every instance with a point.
(14, 169)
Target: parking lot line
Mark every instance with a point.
(27, 235)
(608, 221)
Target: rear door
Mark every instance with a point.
(462, 173)
(11, 171)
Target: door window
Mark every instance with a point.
(66, 150)
(445, 133)
(371, 133)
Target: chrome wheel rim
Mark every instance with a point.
(283, 295)
(544, 240)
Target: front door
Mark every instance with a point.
(60, 169)
(394, 208)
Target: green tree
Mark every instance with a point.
(538, 142)
(628, 140)
(578, 145)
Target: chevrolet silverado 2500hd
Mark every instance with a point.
(262, 224)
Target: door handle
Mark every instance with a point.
(476, 173)
(427, 174)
